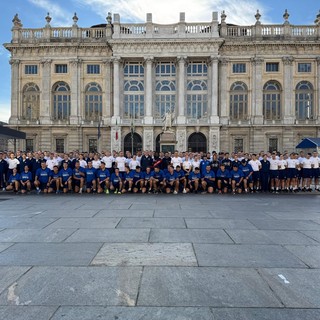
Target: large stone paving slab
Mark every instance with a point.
(265, 314)
(216, 287)
(183, 213)
(219, 224)
(26, 313)
(315, 235)
(25, 223)
(9, 275)
(163, 223)
(269, 237)
(76, 286)
(129, 313)
(49, 254)
(143, 213)
(237, 214)
(277, 224)
(189, 236)
(81, 223)
(295, 215)
(297, 288)
(145, 254)
(310, 255)
(76, 213)
(269, 256)
(4, 246)
(110, 235)
(35, 235)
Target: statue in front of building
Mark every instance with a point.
(167, 121)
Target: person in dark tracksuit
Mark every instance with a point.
(264, 174)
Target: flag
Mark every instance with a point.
(117, 129)
(99, 131)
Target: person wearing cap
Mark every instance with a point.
(91, 183)
(247, 171)
(236, 176)
(171, 181)
(208, 180)
(194, 180)
(223, 179)
(43, 177)
(103, 177)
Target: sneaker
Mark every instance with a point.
(107, 191)
(80, 191)
(129, 190)
(38, 191)
(119, 192)
(175, 192)
(203, 192)
(184, 191)
(116, 191)
(3, 189)
(57, 192)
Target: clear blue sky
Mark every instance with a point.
(90, 12)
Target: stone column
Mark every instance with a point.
(181, 137)
(317, 102)
(214, 139)
(46, 92)
(116, 143)
(214, 118)
(75, 72)
(147, 138)
(106, 99)
(224, 110)
(14, 91)
(181, 119)
(116, 90)
(257, 91)
(288, 90)
(148, 91)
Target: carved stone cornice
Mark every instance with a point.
(14, 62)
(256, 61)
(75, 62)
(223, 61)
(287, 61)
(46, 62)
(213, 59)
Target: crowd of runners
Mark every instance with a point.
(152, 172)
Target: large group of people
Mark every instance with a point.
(152, 172)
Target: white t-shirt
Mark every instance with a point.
(83, 163)
(176, 161)
(51, 163)
(186, 165)
(306, 163)
(283, 164)
(133, 164)
(255, 164)
(315, 161)
(13, 163)
(195, 164)
(108, 161)
(292, 163)
(274, 163)
(121, 162)
(96, 164)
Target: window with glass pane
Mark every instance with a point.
(304, 101)
(239, 68)
(31, 69)
(273, 144)
(61, 101)
(197, 69)
(93, 145)
(238, 145)
(29, 144)
(197, 103)
(239, 101)
(272, 66)
(133, 89)
(93, 69)
(304, 67)
(60, 145)
(93, 102)
(31, 102)
(61, 68)
(272, 101)
(165, 89)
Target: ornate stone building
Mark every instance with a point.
(227, 87)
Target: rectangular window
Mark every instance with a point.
(31, 69)
(272, 66)
(238, 145)
(61, 68)
(239, 68)
(133, 70)
(273, 144)
(197, 69)
(93, 69)
(29, 144)
(93, 145)
(60, 145)
(304, 67)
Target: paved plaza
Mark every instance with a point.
(160, 257)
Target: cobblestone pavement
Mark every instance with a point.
(160, 257)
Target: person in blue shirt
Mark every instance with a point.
(247, 170)
(147, 185)
(182, 179)
(14, 181)
(236, 176)
(194, 180)
(3, 171)
(171, 181)
(66, 177)
(157, 178)
(42, 179)
(26, 180)
(138, 180)
(79, 175)
(116, 182)
(223, 179)
(204, 163)
(55, 180)
(103, 177)
(127, 178)
(208, 180)
(91, 183)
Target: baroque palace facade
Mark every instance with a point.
(225, 87)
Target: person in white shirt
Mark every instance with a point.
(134, 163)
(315, 160)
(282, 173)
(176, 160)
(12, 164)
(274, 172)
(121, 163)
(52, 161)
(306, 165)
(292, 172)
(256, 166)
(196, 162)
(186, 164)
(108, 159)
(96, 163)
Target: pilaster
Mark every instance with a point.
(214, 139)
(148, 119)
(224, 110)
(14, 91)
(317, 104)
(181, 119)
(257, 90)
(116, 138)
(75, 72)
(116, 90)
(289, 114)
(181, 137)
(148, 138)
(45, 110)
(106, 101)
(214, 118)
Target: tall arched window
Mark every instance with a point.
(239, 101)
(61, 101)
(93, 102)
(31, 102)
(304, 101)
(272, 100)
(133, 99)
